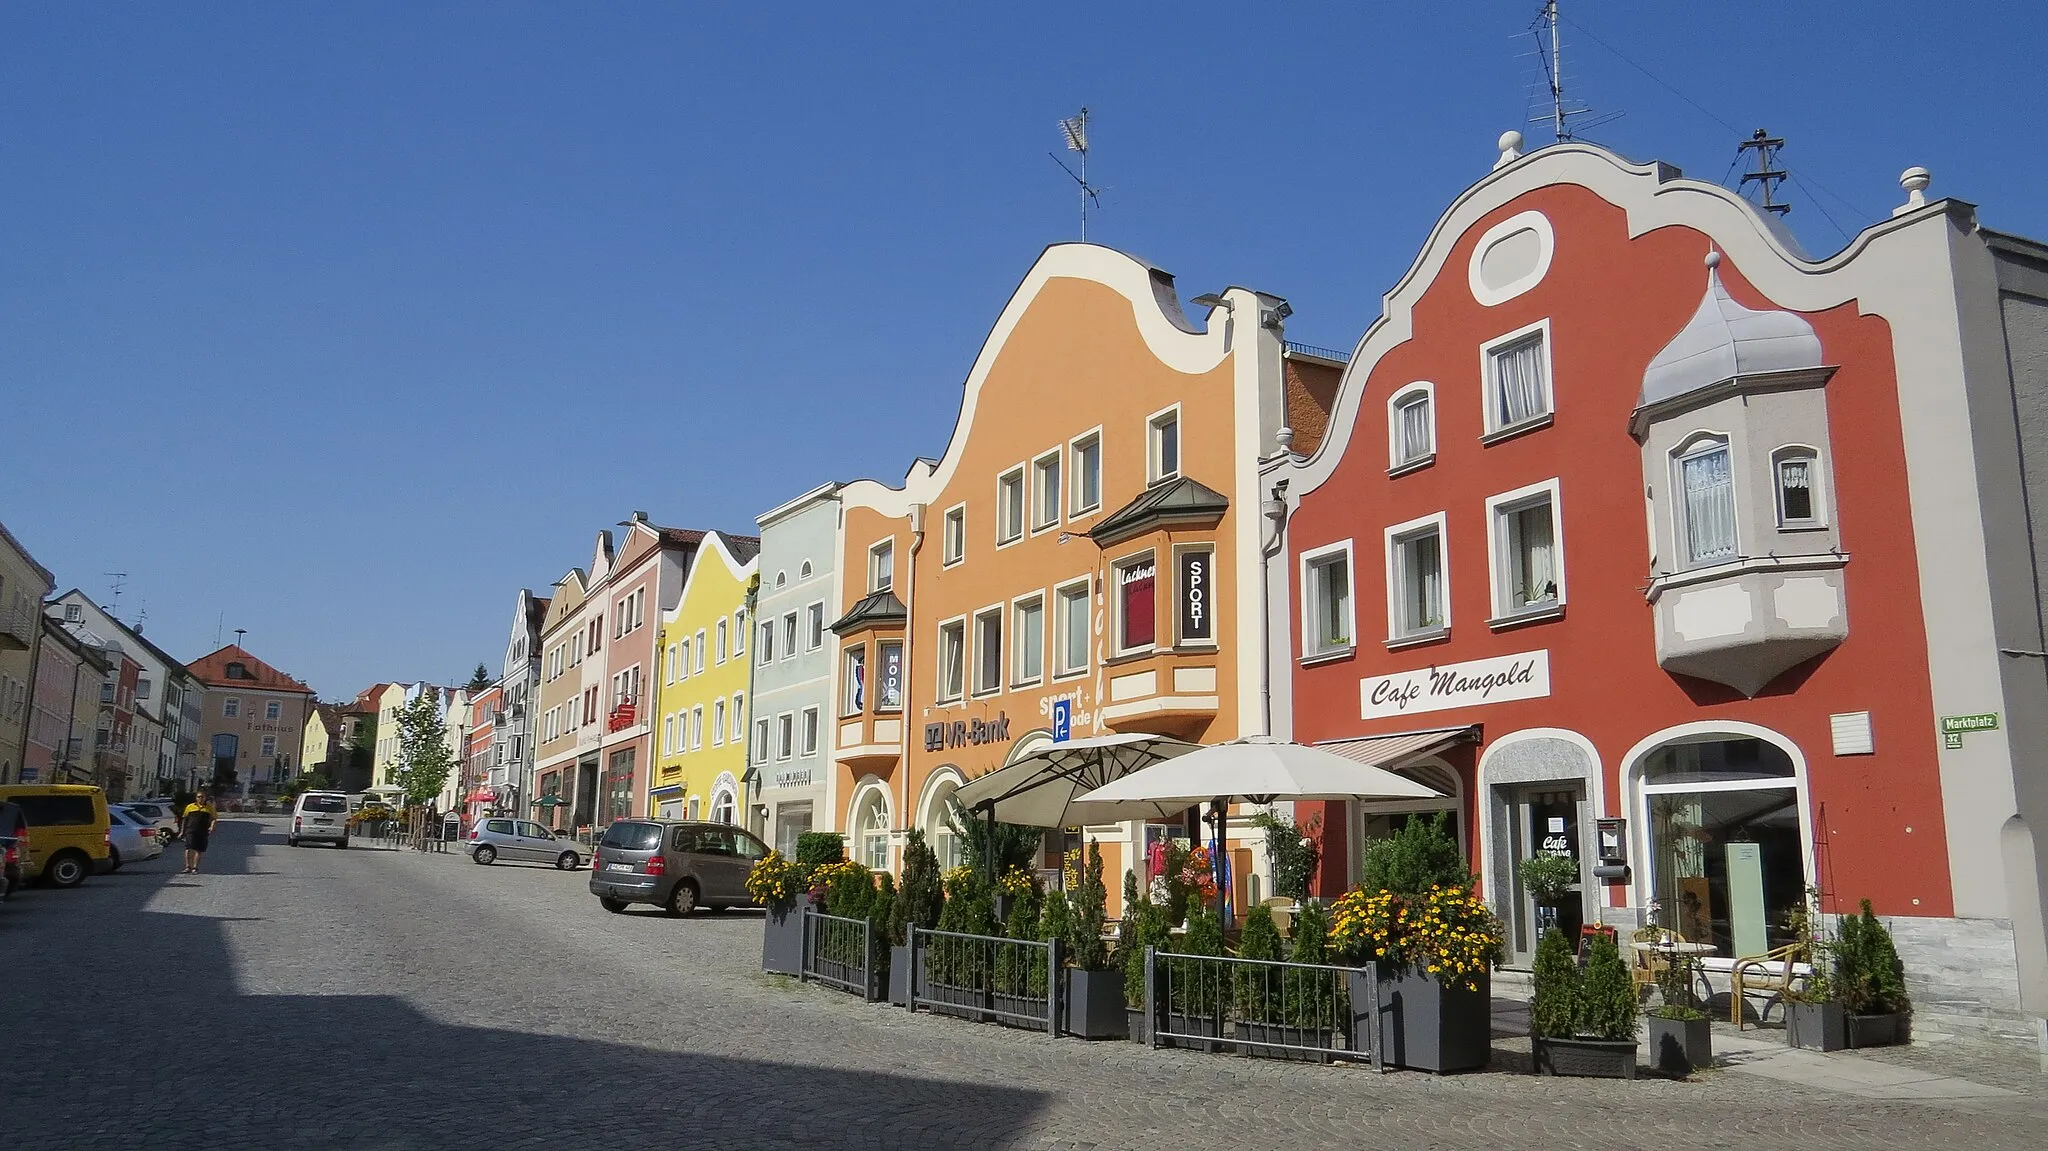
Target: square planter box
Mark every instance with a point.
(1586, 1058)
(1320, 1043)
(1817, 1026)
(1017, 1005)
(782, 940)
(1208, 1026)
(1093, 1007)
(1681, 1046)
(1876, 1030)
(899, 976)
(1424, 1025)
(1136, 1025)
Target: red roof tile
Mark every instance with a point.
(212, 670)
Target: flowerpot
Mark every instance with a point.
(1302, 1044)
(1681, 1046)
(899, 976)
(1586, 1058)
(1875, 1030)
(1011, 1006)
(1094, 1004)
(782, 940)
(1185, 1029)
(1424, 1024)
(1135, 1025)
(1817, 1026)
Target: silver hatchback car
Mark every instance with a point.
(522, 841)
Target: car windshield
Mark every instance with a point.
(325, 803)
(633, 836)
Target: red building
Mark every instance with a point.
(1667, 547)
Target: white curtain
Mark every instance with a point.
(1424, 577)
(1795, 483)
(1415, 429)
(1536, 580)
(1709, 505)
(1518, 377)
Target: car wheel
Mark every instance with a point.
(343, 844)
(290, 842)
(612, 905)
(485, 854)
(67, 870)
(683, 900)
(567, 861)
(113, 858)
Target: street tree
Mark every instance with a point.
(424, 761)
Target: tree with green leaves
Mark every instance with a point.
(1422, 854)
(480, 679)
(424, 761)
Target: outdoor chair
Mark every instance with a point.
(1770, 974)
(1283, 917)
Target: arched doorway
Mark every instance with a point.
(868, 822)
(932, 817)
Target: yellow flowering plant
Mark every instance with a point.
(774, 881)
(1447, 932)
(1016, 881)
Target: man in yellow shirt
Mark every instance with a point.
(197, 823)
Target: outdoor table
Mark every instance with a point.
(1665, 948)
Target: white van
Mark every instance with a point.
(320, 815)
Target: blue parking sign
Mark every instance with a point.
(1062, 720)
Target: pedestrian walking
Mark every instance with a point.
(197, 824)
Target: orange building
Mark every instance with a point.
(1093, 532)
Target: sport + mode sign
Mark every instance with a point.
(1525, 675)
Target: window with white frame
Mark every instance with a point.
(717, 723)
(1411, 425)
(231, 708)
(809, 730)
(764, 652)
(889, 675)
(1073, 628)
(1518, 378)
(1137, 608)
(789, 635)
(1415, 578)
(719, 650)
(269, 747)
(739, 633)
(1027, 641)
(1045, 491)
(1706, 513)
(739, 715)
(871, 830)
(853, 680)
(1528, 564)
(701, 645)
(668, 734)
(272, 709)
(988, 651)
(952, 660)
(1086, 474)
(1010, 506)
(668, 671)
(955, 541)
(882, 566)
(785, 727)
(761, 740)
(1162, 445)
(1796, 472)
(814, 627)
(696, 727)
(683, 665)
(1327, 617)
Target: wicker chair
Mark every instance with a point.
(1283, 916)
(1753, 974)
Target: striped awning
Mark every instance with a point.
(1393, 751)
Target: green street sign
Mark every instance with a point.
(1959, 724)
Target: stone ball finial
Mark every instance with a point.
(1285, 438)
(1510, 148)
(1914, 180)
(1713, 258)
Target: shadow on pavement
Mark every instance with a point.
(137, 1028)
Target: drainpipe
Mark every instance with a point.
(909, 626)
(1275, 509)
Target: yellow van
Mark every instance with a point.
(67, 831)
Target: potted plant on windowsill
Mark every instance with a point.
(919, 899)
(1583, 1023)
(778, 885)
(1094, 998)
(1681, 1035)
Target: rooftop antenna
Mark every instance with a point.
(1551, 52)
(120, 580)
(239, 633)
(1075, 129)
(1767, 175)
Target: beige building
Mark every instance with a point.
(24, 585)
(254, 723)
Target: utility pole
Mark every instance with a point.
(1767, 177)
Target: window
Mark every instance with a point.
(269, 746)
(789, 636)
(1087, 474)
(231, 708)
(722, 812)
(988, 651)
(272, 709)
(889, 672)
(871, 830)
(1528, 564)
(805, 571)
(668, 667)
(882, 566)
(765, 650)
(699, 665)
(1518, 379)
(73, 613)
(1010, 506)
(952, 660)
(717, 722)
(1045, 491)
(853, 685)
(1415, 570)
(739, 633)
(1162, 445)
(1137, 609)
(1073, 624)
(1798, 479)
(1326, 600)
(719, 651)
(781, 578)
(810, 731)
(668, 734)
(1727, 850)
(696, 727)
(739, 715)
(1707, 489)
(683, 668)
(1028, 634)
(1411, 425)
(761, 740)
(956, 535)
(814, 627)
(784, 724)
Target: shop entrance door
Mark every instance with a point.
(1544, 819)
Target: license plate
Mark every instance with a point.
(618, 867)
(323, 822)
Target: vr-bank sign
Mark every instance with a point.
(1480, 681)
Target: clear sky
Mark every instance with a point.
(340, 324)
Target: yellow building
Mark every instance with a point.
(701, 691)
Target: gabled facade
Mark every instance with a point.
(253, 723)
(514, 723)
(565, 785)
(24, 585)
(700, 699)
(70, 666)
(1651, 542)
(790, 789)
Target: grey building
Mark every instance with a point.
(790, 780)
(511, 772)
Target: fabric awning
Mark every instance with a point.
(1393, 751)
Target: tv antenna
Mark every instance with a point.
(120, 581)
(1767, 176)
(1550, 52)
(239, 633)
(1075, 129)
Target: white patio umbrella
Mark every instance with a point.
(1040, 789)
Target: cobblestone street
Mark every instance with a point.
(313, 997)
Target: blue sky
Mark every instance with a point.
(340, 324)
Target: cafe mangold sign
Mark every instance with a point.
(1525, 675)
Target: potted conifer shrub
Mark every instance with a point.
(957, 972)
(1597, 1038)
(1257, 991)
(1869, 982)
(1094, 998)
(1194, 990)
(1814, 1015)
(919, 898)
(1681, 1036)
(1148, 931)
(1013, 969)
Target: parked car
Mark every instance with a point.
(523, 840)
(13, 847)
(130, 838)
(67, 831)
(158, 813)
(321, 815)
(674, 865)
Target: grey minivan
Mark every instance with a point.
(675, 865)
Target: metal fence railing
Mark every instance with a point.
(841, 953)
(1261, 1008)
(986, 977)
